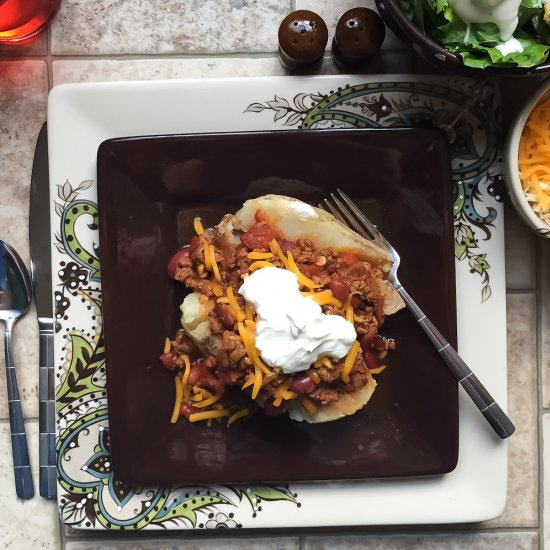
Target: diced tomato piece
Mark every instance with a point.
(311, 270)
(259, 236)
(200, 375)
(349, 258)
(366, 340)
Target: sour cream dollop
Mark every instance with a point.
(503, 13)
(292, 331)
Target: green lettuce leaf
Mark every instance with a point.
(477, 45)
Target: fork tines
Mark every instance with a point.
(349, 214)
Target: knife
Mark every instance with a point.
(41, 271)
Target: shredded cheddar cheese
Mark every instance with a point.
(257, 255)
(248, 311)
(249, 344)
(185, 375)
(313, 375)
(279, 394)
(215, 267)
(187, 370)
(167, 345)
(206, 402)
(350, 360)
(210, 261)
(377, 370)
(205, 415)
(257, 382)
(197, 225)
(234, 307)
(216, 289)
(323, 362)
(323, 298)
(259, 264)
(309, 405)
(276, 251)
(234, 417)
(302, 279)
(177, 402)
(349, 314)
(283, 393)
(249, 382)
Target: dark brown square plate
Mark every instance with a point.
(150, 189)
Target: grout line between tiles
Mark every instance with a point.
(174, 56)
(540, 396)
(273, 534)
(26, 419)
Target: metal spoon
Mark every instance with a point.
(15, 297)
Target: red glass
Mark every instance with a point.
(21, 20)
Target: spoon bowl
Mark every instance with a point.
(15, 298)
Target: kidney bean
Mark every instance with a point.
(339, 289)
(174, 262)
(286, 245)
(370, 360)
(168, 361)
(311, 270)
(355, 301)
(272, 410)
(186, 409)
(302, 384)
(224, 315)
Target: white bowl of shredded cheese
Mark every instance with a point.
(527, 161)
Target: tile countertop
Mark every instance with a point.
(94, 41)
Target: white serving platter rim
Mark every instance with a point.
(81, 116)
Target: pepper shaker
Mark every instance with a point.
(359, 35)
(303, 36)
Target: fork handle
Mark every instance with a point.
(21, 465)
(483, 400)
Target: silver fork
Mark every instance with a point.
(349, 214)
